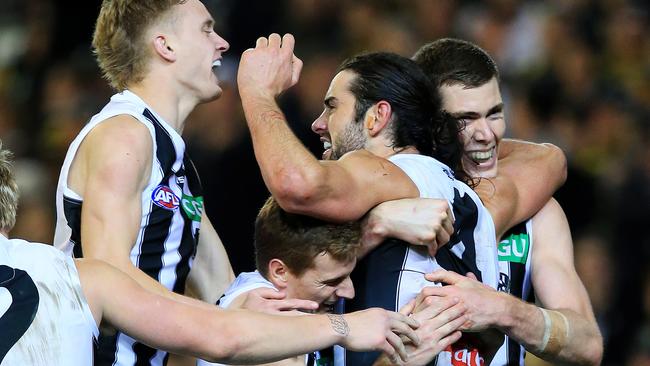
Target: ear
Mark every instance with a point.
(378, 117)
(163, 49)
(278, 273)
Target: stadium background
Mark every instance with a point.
(574, 73)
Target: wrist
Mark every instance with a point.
(339, 326)
(508, 314)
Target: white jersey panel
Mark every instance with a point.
(62, 330)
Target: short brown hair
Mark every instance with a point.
(297, 239)
(8, 192)
(118, 40)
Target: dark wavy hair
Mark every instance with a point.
(416, 103)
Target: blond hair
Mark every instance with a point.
(8, 191)
(118, 41)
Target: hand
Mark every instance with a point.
(270, 301)
(440, 323)
(380, 330)
(270, 68)
(484, 304)
(419, 221)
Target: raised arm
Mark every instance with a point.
(560, 291)
(337, 191)
(528, 176)
(218, 335)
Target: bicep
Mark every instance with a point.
(556, 282)
(353, 185)
(117, 169)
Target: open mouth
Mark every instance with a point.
(215, 65)
(327, 149)
(480, 157)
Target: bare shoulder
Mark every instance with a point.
(122, 132)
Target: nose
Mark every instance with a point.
(221, 44)
(319, 126)
(482, 130)
(346, 289)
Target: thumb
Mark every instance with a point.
(472, 276)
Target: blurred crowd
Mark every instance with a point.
(575, 73)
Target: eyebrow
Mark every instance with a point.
(475, 115)
(496, 109)
(336, 279)
(209, 23)
(329, 101)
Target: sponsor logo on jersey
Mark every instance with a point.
(465, 357)
(164, 197)
(193, 207)
(514, 248)
(504, 283)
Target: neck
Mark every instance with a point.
(164, 99)
(383, 148)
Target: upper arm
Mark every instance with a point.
(555, 280)
(115, 159)
(344, 190)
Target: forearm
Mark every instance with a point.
(252, 334)
(563, 337)
(286, 165)
(537, 170)
(211, 272)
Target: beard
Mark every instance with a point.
(351, 139)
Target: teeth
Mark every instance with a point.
(216, 63)
(481, 156)
(327, 145)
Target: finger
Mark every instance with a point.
(288, 43)
(389, 351)
(261, 42)
(269, 293)
(408, 308)
(472, 276)
(454, 325)
(449, 340)
(433, 247)
(401, 327)
(442, 275)
(451, 216)
(396, 342)
(275, 40)
(414, 324)
(296, 69)
(436, 306)
(296, 304)
(447, 230)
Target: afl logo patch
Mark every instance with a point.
(164, 197)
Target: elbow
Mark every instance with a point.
(225, 348)
(295, 191)
(559, 160)
(595, 350)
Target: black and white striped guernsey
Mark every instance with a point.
(393, 274)
(171, 203)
